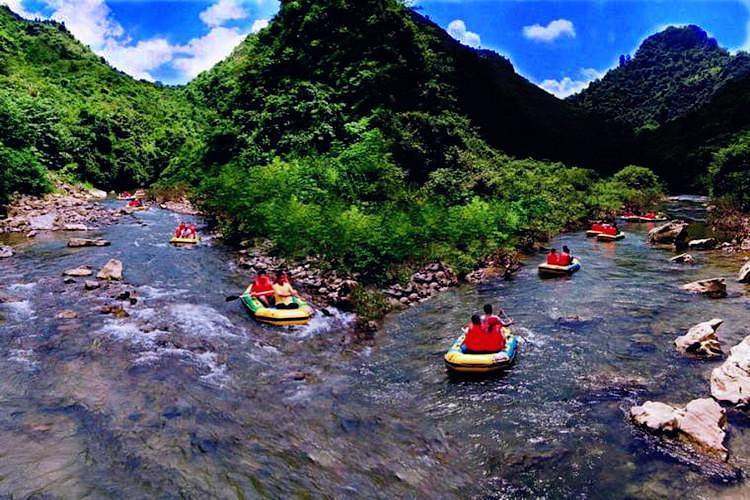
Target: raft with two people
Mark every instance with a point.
(487, 346)
(648, 217)
(185, 234)
(276, 303)
(559, 264)
(605, 232)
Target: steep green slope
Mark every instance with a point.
(63, 108)
(672, 73)
(683, 150)
(323, 65)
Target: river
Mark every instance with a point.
(189, 397)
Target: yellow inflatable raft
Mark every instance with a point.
(273, 316)
(611, 237)
(458, 361)
(550, 271)
(185, 241)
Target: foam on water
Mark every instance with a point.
(20, 311)
(209, 361)
(23, 357)
(201, 320)
(129, 332)
(22, 288)
(151, 292)
(321, 323)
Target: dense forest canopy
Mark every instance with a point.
(63, 108)
(672, 73)
(355, 118)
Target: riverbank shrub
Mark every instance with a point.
(354, 208)
(20, 171)
(728, 173)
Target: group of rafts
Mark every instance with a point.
(457, 359)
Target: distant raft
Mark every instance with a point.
(552, 271)
(460, 362)
(610, 237)
(273, 316)
(185, 241)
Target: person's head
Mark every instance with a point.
(476, 320)
(261, 272)
(280, 276)
(566, 249)
(487, 309)
(554, 250)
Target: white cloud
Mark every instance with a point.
(17, 7)
(223, 11)
(457, 29)
(554, 30)
(258, 25)
(568, 86)
(140, 59)
(202, 53)
(92, 22)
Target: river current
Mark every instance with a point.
(189, 397)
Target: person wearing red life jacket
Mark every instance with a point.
(479, 341)
(552, 258)
(180, 230)
(609, 229)
(564, 258)
(262, 288)
(135, 203)
(596, 226)
(650, 215)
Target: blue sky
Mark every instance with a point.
(558, 44)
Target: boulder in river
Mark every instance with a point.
(730, 382)
(44, 222)
(701, 339)
(79, 272)
(703, 244)
(744, 274)
(92, 285)
(112, 270)
(97, 193)
(715, 288)
(684, 258)
(5, 252)
(67, 314)
(83, 242)
(701, 422)
(672, 233)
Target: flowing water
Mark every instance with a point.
(188, 397)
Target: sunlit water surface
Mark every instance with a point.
(190, 397)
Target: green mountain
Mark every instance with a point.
(63, 108)
(324, 65)
(672, 73)
(684, 150)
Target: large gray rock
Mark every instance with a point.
(731, 381)
(703, 244)
(744, 275)
(5, 252)
(701, 339)
(672, 233)
(701, 422)
(97, 193)
(715, 288)
(82, 242)
(112, 270)
(43, 222)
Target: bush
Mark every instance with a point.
(20, 171)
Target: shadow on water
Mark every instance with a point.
(187, 396)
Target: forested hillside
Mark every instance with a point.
(63, 108)
(324, 64)
(672, 73)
